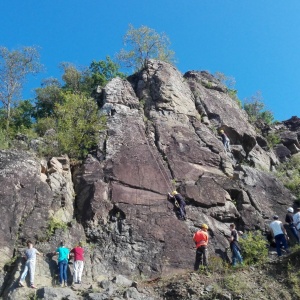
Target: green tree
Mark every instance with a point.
(77, 125)
(255, 108)
(21, 115)
(254, 247)
(144, 43)
(47, 96)
(15, 66)
(103, 71)
(76, 81)
(229, 82)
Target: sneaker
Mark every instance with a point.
(33, 286)
(66, 284)
(21, 284)
(61, 285)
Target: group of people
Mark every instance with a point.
(279, 233)
(201, 241)
(63, 258)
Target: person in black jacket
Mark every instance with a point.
(179, 203)
(289, 219)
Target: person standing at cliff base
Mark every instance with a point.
(235, 246)
(78, 253)
(279, 234)
(289, 218)
(201, 240)
(296, 220)
(63, 257)
(30, 255)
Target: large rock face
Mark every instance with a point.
(159, 145)
(33, 195)
(161, 134)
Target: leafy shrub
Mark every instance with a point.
(233, 95)
(254, 248)
(217, 264)
(289, 174)
(234, 284)
(78, 125)
(3, 140)
(53, 225)
(273, 139)
(255, 108)
(44, 124)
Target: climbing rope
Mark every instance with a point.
(164, 174)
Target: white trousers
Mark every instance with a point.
(78, 268)
(29, 266)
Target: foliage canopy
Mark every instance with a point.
(144, 43)
(15, 66)
(254, 107)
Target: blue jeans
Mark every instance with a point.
(294, 232)
(62, 266)
(280, 240)
(236, 255)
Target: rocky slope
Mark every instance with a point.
(161, 135)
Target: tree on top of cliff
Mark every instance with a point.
(15, 65)
(254, 107)
(144, 43)
(103, 71)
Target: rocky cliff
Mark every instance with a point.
(161, 134)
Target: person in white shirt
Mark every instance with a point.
(279, 234)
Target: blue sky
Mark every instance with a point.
(257, 42)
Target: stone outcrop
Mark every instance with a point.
(162, 133)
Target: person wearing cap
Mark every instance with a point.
(279, 234)
(289, 218)
(201, 240)
(179, 203)
(225, 140)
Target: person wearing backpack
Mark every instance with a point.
(235, 246)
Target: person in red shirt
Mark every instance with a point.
(201, 240)
(78, 253)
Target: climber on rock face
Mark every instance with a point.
(290, 220)
(201, 240)
(225, 141)
(179, 203)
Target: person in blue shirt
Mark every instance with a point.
(63, 257)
